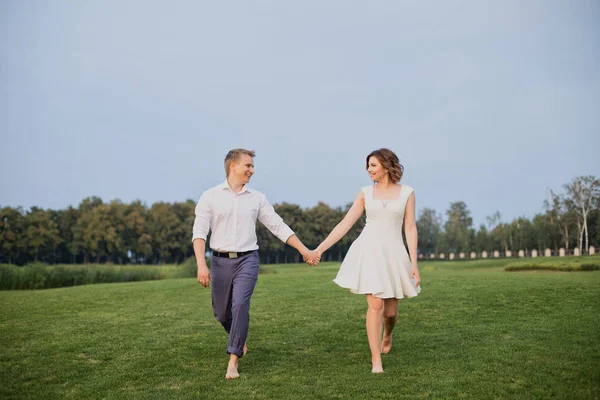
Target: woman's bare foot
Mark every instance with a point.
(232, 371)
(245, 349)
(377, 368)
(386, 344)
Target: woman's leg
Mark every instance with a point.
(374, 322)
(390, 317)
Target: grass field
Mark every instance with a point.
(474, 332)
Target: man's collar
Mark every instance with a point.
(225, 185)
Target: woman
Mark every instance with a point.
(377, 264)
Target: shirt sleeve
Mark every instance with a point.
(202, 221)
(269, 218)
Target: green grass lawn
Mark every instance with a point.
(474, 332)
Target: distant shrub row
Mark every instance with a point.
(40, 276)
(562, 264)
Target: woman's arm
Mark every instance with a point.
(345, 224)
(412, 236)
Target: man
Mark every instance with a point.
(230, 211)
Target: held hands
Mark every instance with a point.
(312, 257)
(415, 276)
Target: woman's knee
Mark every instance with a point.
(390, 308)
(375, 304)
(390, 314)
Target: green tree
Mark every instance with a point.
(293, 216)
(181, 247)
(540, 232)
(584, 192)
(523, 234)
(164, 228)
(559, 219)
(322, 219)
(82, 235)
(443, 245)
(12, 235)
(116, 248)
(429, 225)
(135, 226)
(66, 221)
(483, 240)
(595, 227)
(457, 227)
(338, 250)
(501, 234)
(41, 233)
(101, 233)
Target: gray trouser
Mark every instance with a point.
(233, 281)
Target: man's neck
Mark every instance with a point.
(234, 185)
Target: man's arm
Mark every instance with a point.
(274, 223)
(307, 255)
(200, 232)
(203, 272)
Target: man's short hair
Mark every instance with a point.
(234, 156)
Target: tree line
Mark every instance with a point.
(569, 220)
(120, 233)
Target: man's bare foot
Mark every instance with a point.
(386, 344)
(232, 371)
(245, 349)
(377, 368)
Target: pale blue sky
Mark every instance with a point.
(488, 102)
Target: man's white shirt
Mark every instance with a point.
(232, 218)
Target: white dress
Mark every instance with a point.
(377, 262)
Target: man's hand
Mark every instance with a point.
(204, 275)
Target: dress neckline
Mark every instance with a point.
(386, 200)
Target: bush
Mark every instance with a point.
(266, 270)
(586, 263)
(39, 276)
(188, 269)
